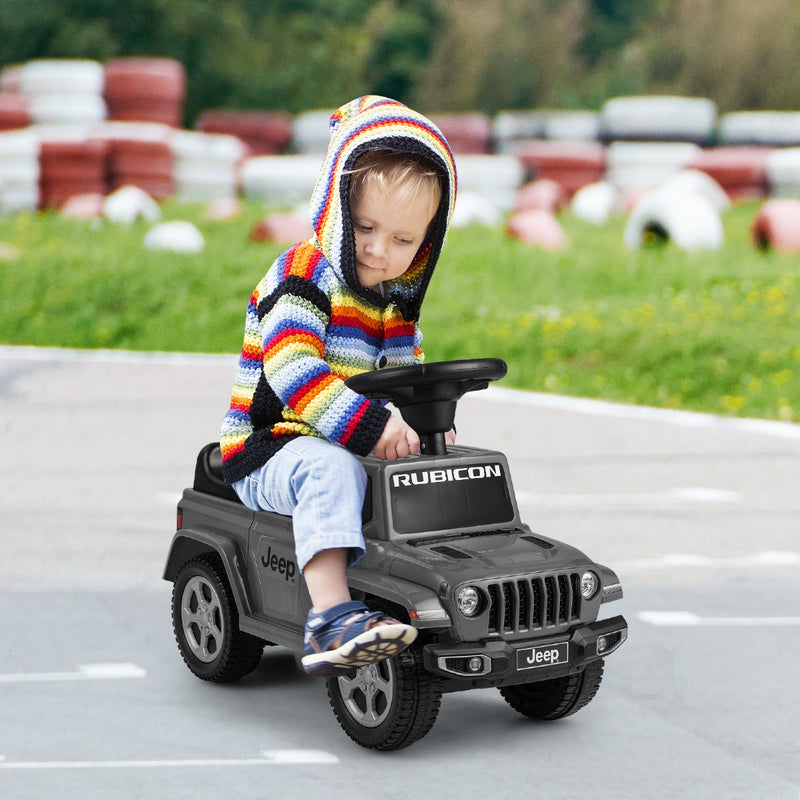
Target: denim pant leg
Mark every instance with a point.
(321, 486)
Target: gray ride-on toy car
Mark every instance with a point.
(495, 604)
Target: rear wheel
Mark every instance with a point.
(556, 698)
(206, 623)
(387, 705)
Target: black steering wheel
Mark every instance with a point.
(426, 394)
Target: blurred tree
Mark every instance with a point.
(462, 46)
(610, 24)
(401, 33)
(503, 54)
(535, 60)
(199, 33)
(305, 59)
(742, 54)
(281, 54)
(437, 54)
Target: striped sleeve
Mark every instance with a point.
(237, 425)
(293, 322)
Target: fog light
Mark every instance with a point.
(589, 584)
(468, 600)
(466, 666)
(609, 642)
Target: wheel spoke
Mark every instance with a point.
(348, 685)
(215, 618)
(203, 643)
(368, 694)
(190, 617)
(382, 685)
(371, 714)
(202, 619)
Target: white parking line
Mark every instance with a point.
(267, 758)
(687, 619)
(691, 494)
(168, 498)
(299, 757)
(606, 408)
(85, 672)
(684, 561)
(64, 354)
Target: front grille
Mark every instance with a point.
(529, 604)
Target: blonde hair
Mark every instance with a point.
(402, 175)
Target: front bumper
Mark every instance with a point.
(501, 663)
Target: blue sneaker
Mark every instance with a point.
(347, 636)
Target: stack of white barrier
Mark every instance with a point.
(761, 128)
(280, 181)
(206, 165)
(19, 171)
(311, 132)
(487, 185)
(783, 172)
(510, 128)
(643, 165)
(63, 91)
(658, 118)
(572, 126)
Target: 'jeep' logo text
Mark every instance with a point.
(423, 477)
(282, 566)
(538, 657)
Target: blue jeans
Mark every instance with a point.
(321, 486)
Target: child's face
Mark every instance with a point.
(388, 234)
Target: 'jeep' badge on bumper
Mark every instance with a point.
(543, 655)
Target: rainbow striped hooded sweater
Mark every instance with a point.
(310, 324)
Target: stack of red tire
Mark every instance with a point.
(570, 164)
(740, 171)
(14, 113)
(466, 133)
(145, 90)
(264, 133)
(145, 163)
(67, 169)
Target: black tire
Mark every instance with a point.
(388, 705)
(556, 698)
(206, 623)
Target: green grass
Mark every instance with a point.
(714, 331)
(78, 284)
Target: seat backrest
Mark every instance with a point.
(208, 473)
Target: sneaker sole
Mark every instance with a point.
(377, 644)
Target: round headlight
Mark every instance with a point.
(589, 584)
(468, 600)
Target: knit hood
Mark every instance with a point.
(378, 123)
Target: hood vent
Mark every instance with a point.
(450, 552)
(539, 542)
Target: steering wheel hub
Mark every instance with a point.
(427, 394)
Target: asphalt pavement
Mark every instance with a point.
(697, 514)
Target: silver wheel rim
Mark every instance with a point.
(368, 696)
(202, 619)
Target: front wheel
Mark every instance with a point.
(206, 623)
(387, 705)
(555, 698)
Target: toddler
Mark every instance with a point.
(341, 303)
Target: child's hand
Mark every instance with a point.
(397, 441)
